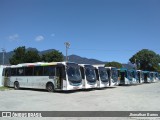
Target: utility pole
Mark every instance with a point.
(67, 44)
(3, 50)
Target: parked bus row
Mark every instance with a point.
(70, 76)
(136, 76)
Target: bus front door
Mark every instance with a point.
(59, 74)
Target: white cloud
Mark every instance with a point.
(39, 38)
(14, 37)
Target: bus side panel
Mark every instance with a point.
(40, 82)
(11, 81)
(37, 82)
(23, 83)
(64, 85)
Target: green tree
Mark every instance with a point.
(32, 56)
(21, 55)
(54, 56)
(113, 64)
(18, 56)
(146, 60)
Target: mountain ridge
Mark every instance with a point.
(72, 58)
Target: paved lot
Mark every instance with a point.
(144, 97)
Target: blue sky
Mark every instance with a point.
(107, 30)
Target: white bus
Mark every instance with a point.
(147, 76)
(140, 76)
(124, 76)
(153, 76)
(113, 76)
(51, 76)
(134, 76)
(102, 76)
(89, 78)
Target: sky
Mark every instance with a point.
(107, 30)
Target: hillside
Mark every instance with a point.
(82, 60)
(72, 58)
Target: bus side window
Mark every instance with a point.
(8, 72)
(20, 71)
(38, 71)
(29, 71)
(109, 73)
(49, 71)
(4, 72)
(97, 74)
(13, 71)
(82, 72)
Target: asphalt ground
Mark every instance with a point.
(141, 97)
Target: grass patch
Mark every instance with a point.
(5, 88)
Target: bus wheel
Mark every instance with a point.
(16, 85)
(50, 87)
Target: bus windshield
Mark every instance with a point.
(90, 74)
(148, 75)
(114, 74)
(73, 73)
(130, 75)
(103, 74)
(142, 75)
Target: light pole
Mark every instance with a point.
(67, 44)
(3, 50)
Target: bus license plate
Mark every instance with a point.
(75, 87)
(92, 86)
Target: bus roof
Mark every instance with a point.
(111, 67)
(85, 65)
(38, 64)
(122, 69)
(146, 71)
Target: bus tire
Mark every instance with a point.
(16, 85)
(50, 87)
